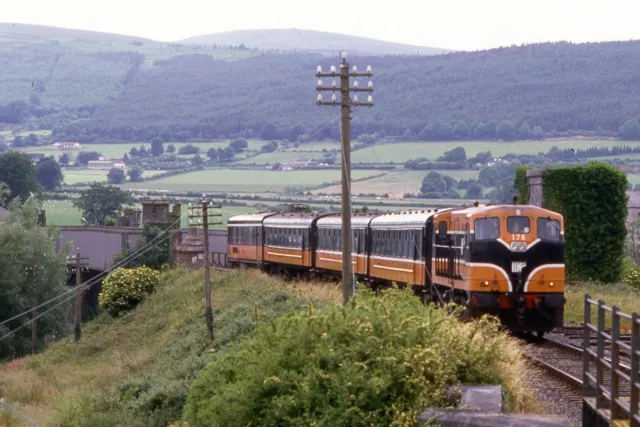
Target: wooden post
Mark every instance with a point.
(207, 274)
(77, 315)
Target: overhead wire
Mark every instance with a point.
(100, 275)
(83, 287)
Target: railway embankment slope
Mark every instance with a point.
(283, 352)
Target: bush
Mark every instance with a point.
(125, 288)
(632, 277)
(377, 361)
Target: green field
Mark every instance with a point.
(77, 176)
(63, 213)
(228, 180)
(402, 151)
(397, 182)
(279, 157)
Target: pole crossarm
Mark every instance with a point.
(338, 89)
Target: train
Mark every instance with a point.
(506, 260)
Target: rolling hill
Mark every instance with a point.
(310, 41)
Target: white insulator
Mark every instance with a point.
(319, 69)
(319, 97)
(355, 84)
(320, 83)
(334, 97)
(355, 98)
(333, 68)
(370, 99)
(355, 69)
(368, 68)
(333, 84)
(370, 85)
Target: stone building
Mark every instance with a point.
(158, 214)
(188, 249)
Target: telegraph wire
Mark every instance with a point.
(99, 276)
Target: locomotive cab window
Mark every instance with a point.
(518, 225)
(487, 228)
(549, 229)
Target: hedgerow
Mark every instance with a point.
(380, 360)
(592, 198)
(125, 288)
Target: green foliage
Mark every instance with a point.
(157, 256)
(116, 176)
(632, 278)
(31, 272)
(522, 185)
(19, 173)
(125, 288)
(380, 360)
(592, 198)
(135, 173)
(101, 201)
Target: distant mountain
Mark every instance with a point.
(38, 33)
(311, 41)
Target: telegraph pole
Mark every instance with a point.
(345, 120)
(77, 308)
(203, 218)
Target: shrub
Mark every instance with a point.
(125, 288)
(377, 361)
(632, 277)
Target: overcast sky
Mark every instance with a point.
(452, 24)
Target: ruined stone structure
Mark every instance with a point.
(188, 249)
(129, 217)
(534, 179)
(158, 214)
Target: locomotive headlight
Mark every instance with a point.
(551, 284)
(484, 283)
(518, 246)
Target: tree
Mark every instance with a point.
(84, 157)
(135, 174)
(158, 255)
(125, 158)
(157, 146)
(268, 148)
(64, 159)
(48, 173)
(31, 272)
(19, 173)
(142, 152)
(5, 192)
(116, 176)
(630, 129)
(197, 160)
(524, 131)
(482, 158)
(269, 131)
(166, 135)
(461, 131)
(433, 183)
(101, 201)
(134, 152)
(474, 191)
(456, 155)
(3, 146)
(171, 148)
(537, 132)
(506, 130)
(239, 145)
(188, 149)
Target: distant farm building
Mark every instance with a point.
(118, 163)
(301, 163)
(68, 145)
(100, 164)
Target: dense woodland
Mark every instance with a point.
(517, 92)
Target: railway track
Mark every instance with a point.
(561, 360)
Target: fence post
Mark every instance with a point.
(587, 390)
(635, 370)
(616, 410)
(600, 357)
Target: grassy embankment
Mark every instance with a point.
(137, 369)
(623, 296)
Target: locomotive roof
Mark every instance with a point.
(418, 218)
(489, 208)
(335, 220)
(292, 219)
(244, 218)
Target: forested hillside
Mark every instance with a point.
(113, 90)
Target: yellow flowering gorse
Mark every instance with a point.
(125, 288)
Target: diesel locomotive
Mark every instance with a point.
(505, 260)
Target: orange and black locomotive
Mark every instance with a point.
(506, 260)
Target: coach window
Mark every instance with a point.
(518, 224)
(549, 229)
(487, 228)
